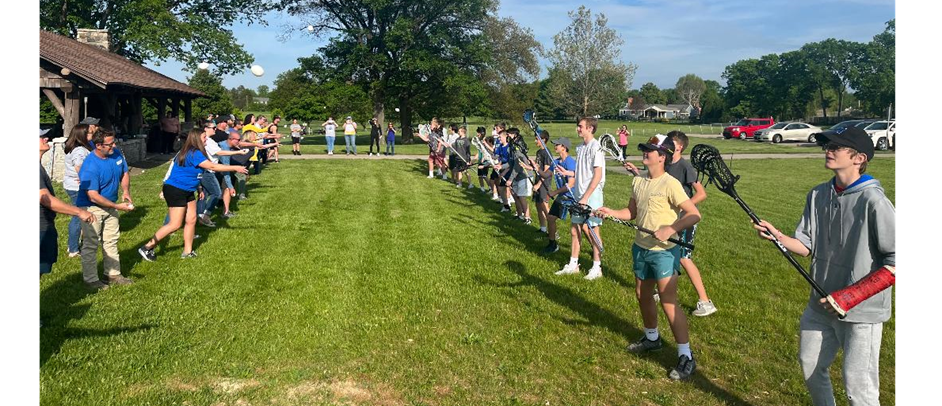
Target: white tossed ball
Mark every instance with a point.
(203, 65)
(397, 109)
(257, 70)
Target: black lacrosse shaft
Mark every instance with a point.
(647, 231)
(781, 248)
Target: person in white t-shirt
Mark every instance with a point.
(295, 137)
(590, 179)
(330, 133)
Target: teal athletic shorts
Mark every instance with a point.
(655, 265)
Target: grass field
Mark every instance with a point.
(363, 282)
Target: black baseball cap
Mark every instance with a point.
(855, 138)
(90, 121)
(562, 141)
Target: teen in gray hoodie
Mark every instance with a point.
(849, 229)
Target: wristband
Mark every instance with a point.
(845, 299)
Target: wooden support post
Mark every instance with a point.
(175, 106)
(161, 107)
(71, 107)
(51, 95)
(188, 108)
(137, 117)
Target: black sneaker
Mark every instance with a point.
(147, 254)
(645, 345)
(685, 367)
(552, 247)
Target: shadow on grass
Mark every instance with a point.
(59, 306)
(599, 316)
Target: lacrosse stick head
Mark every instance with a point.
(610, 146)
(520, 144)
(576, 208)
(708, 161)
(484, 153)
(529, 117)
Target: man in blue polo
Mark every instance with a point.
(102, 173)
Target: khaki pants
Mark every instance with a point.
(103, 231)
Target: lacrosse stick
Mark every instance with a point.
(707, 159)
(485, 154)
(647, 231)
(455, 151)
(530, 118)
(608, 144)
(520, 153)
(584, 210)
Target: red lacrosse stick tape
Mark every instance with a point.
(845, 299)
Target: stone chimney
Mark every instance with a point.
(98, 38)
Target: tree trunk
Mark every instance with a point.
(840, 103)
(824, 109)
(405, 114)
(379, 110)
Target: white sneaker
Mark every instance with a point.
(569, 269)
(429, 177)
(330, 153)
(495, 198)
(594, 273)
(470, 186)
(458, 185)
(704, 308)
(504, 209)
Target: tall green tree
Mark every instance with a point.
(831, 62)
(874, 78)
(690, 88)
(408, 50)
(510, 73)
(217, 101)
(189, 31)
(587, 55)
(713, 108)
(651, 94)
(741, 79)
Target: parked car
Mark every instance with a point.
(838, 128)
(747, 127)
(787, 131)
(883, 134)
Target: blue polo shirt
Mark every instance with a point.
(102, 175)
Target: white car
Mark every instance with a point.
(883, 134)
(787, 131)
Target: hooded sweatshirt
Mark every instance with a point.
(850, 234)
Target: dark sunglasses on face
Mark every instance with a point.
(833, 147)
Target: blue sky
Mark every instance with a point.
(666, 39)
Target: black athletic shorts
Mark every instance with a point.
(557, 210)
(494, 175)
(295, 140)
(177, 197)
(482, 171)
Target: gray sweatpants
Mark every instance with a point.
(821, 337)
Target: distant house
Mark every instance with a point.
(260, 100)
(655, 111)
(669, 111)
